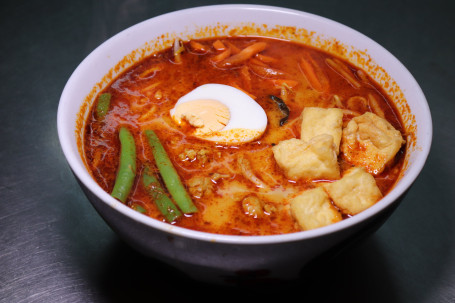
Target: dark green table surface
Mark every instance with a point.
(55, 248)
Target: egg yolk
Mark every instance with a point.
(206, 115)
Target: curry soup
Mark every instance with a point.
(240, 185)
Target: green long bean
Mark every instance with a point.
(169, 174)
(159, 196)
(127, 166)
(102, 107)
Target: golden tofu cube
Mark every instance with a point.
(371, 142)
(316, 159)
(313, 209)
(354, 192)
(317, 121)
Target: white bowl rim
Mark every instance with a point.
(405, 183)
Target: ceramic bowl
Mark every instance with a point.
(224, 258)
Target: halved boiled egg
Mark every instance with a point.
(221, 113)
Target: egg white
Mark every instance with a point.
(248, 119)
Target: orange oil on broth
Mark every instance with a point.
(143, 96)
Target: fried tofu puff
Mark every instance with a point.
(316, 159)
(317, 121)
(354, 192)
(313, 209)
(371, 142)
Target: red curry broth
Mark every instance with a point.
(142, 97)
